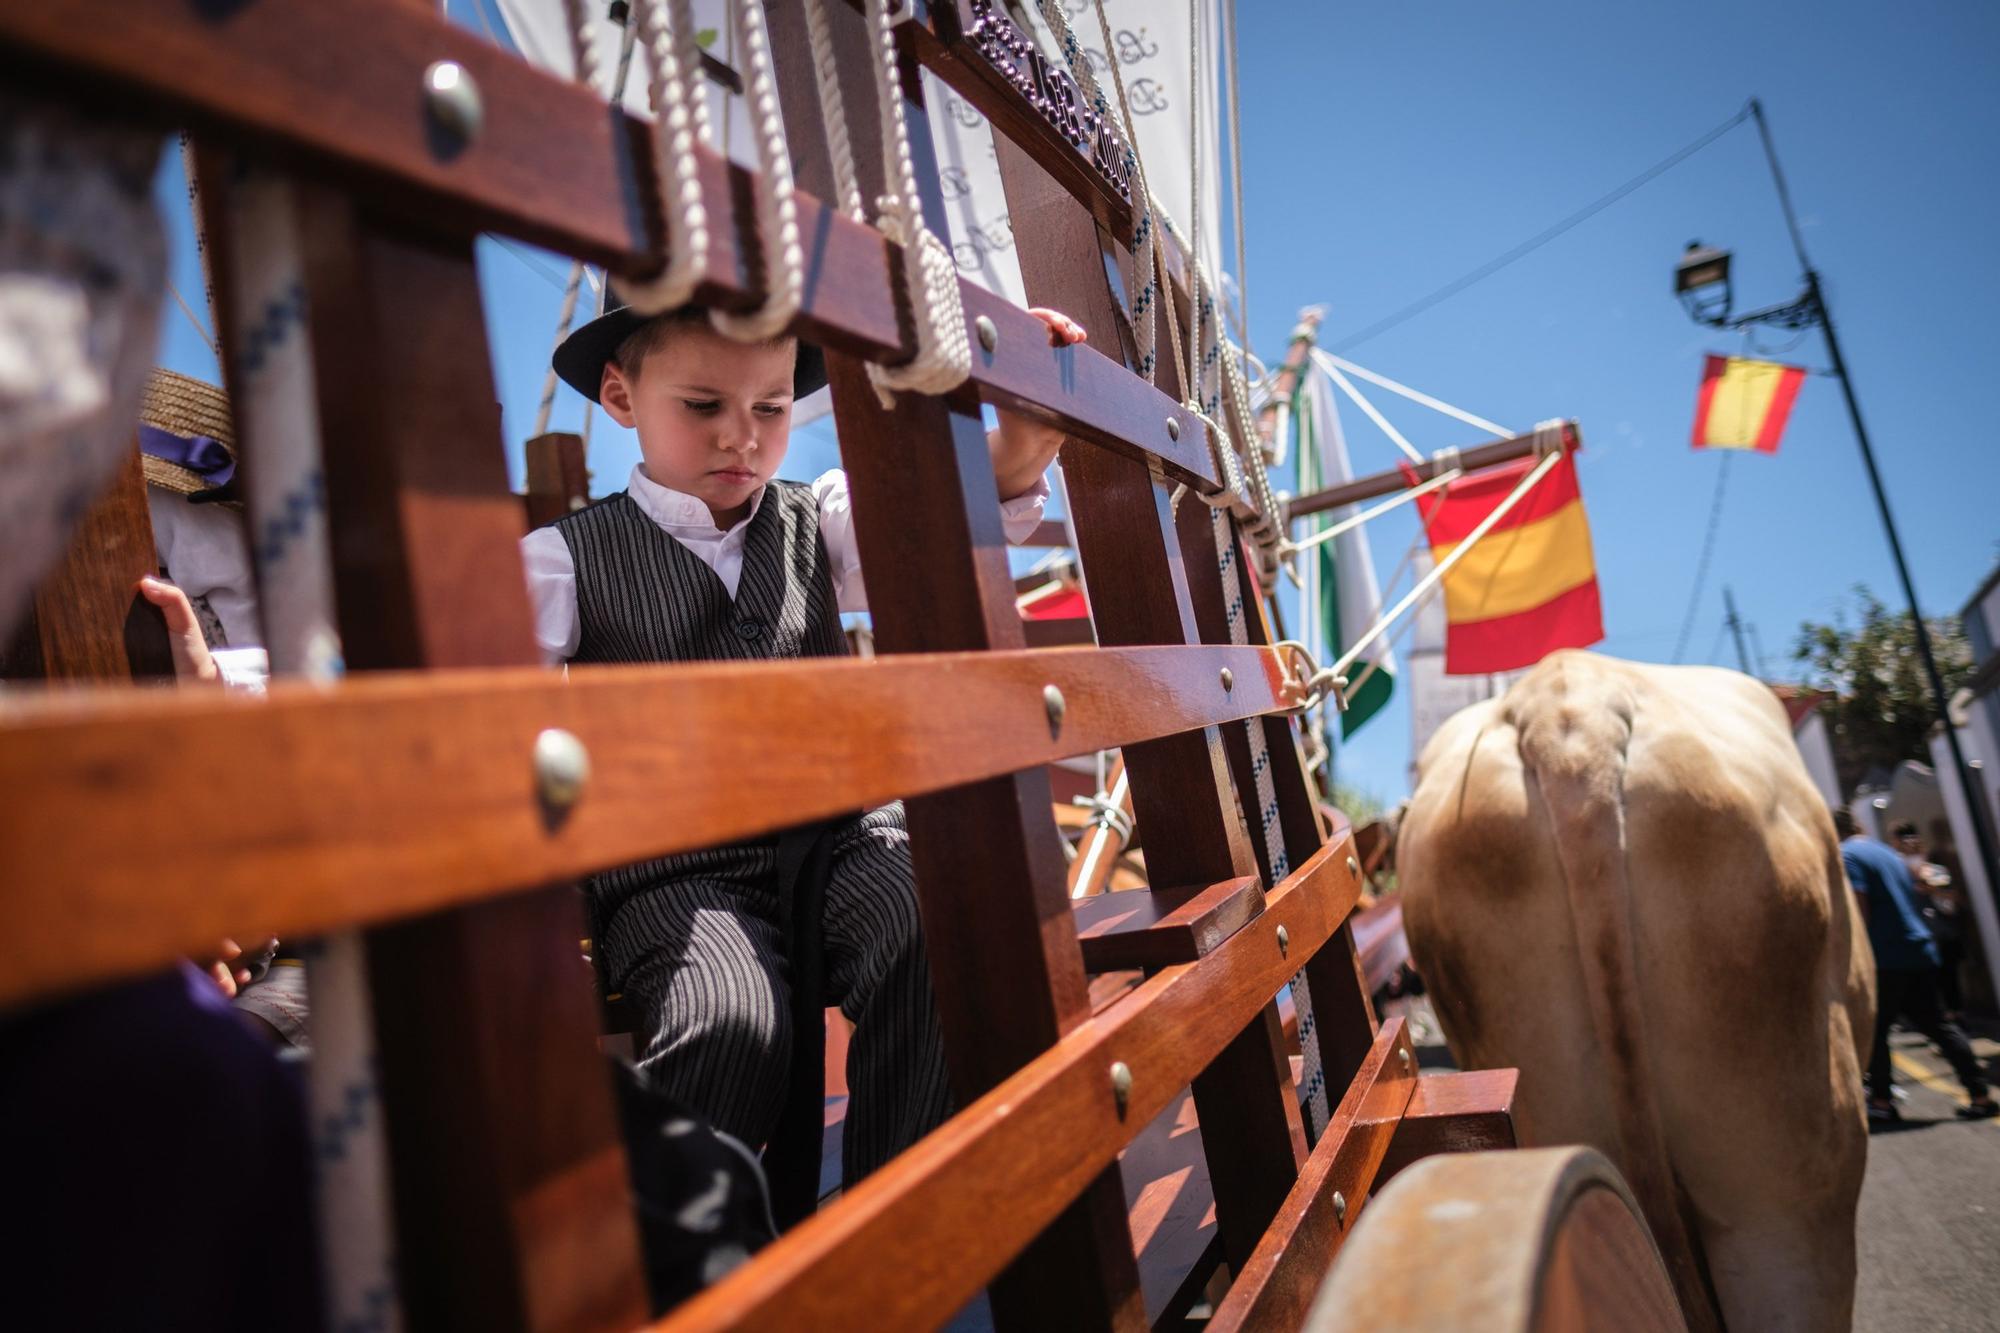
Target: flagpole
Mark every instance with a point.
(1975, 798)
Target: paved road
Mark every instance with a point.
(1930, 1208)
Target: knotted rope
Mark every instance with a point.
(777, 209)
(667, 28)
(943, 358)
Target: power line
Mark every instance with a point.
(1701, 564)
(1492, 266)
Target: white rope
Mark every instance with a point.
(1347, 387)
(943, 358)
(777, 209)
(826, 74)
(582, 42)
(276, 404)
(681, 122)
(1366, 515)
(1328, 359)
(1236, 178)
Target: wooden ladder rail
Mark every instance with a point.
(494, 182)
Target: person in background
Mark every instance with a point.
(1906, 971)
(1943, 904)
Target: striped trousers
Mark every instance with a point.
(709, 981)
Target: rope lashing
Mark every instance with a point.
(777, 209)
(1106, 813)
(943, 358)
(582, 42)
(1314, 682)
(681, 122)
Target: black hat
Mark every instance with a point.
(581, 357)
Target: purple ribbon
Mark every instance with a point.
(202, 454)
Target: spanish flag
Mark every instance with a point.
(1530, 585)
(1744, 404)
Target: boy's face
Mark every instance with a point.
(714, 415)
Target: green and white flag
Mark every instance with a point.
(1342, 598)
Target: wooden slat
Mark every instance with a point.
(1004, 962)
(1456, 1112)
(1172, 1207)
(1276, 1288)
(1181, 787)
(557, 478)
(392, 795)
(506, 1166)
(1379, 941)
(338, 84)
(1048, 532)
(89, 623)
(943, 41)
(994, 1175)
(1150, 928)
(1066, 631)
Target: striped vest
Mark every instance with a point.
(641, 596)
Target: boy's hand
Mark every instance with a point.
(1023, 449)
(191, 659)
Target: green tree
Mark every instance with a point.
(1880, 711)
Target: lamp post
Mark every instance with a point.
(1701, 280)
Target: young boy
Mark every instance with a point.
(707, 556)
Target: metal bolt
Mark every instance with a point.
(562, 767)
(1121, 1086)
(1228, 679)
(1173, 428)
(989, 336)
(1284, 942)
(1354, 867)
(1403, 1059)
(452, 99)
(1052, 702)
(1339, 1207)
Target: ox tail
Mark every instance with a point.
(1575, 753)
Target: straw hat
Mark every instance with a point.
(192, 413)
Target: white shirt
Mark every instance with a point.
(552, 573)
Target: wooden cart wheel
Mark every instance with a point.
(1536, 1241)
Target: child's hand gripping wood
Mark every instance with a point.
(1022, 449)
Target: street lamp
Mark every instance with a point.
(1701, 280)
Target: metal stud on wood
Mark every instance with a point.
(1052, 703)
(452, 100)
(562, 768)
(1121, 1085)
(989, 333)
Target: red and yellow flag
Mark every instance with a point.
(1744, 404)
(1529, 586)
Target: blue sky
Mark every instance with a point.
(1390, 148)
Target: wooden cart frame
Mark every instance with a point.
(403, 800)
